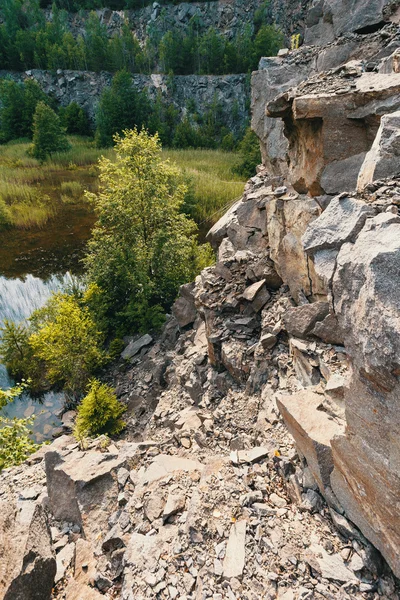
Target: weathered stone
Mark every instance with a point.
(135, 346)
(234, 358)
(328, 330)
(85, 563)
(341, 222)
(28, 564)
(184, 309)
(64, 560)
(342, 175)
(235, 551)
(83, 487)
(300, 320)
(312, 430)
(80, 591)
(331, 566)
(383, 160)
(164, 464)
(175, 503)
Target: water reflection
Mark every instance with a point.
(18, 299)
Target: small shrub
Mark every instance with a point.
(99, 412)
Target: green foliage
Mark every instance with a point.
(142, 247)
(18, 104)
(67, 341)
(74, 119)
(15, 442)
(120, 107)
(27, 41)
(48, 135)
(99, 412)
(249, 155)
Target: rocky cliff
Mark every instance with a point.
(231, 92)
(261, 457)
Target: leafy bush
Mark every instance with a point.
(15, 442)
(99, 412)
(67, 341)
(249, 155)
(48, 135)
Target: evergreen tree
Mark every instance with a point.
(74, 119)
(18, 105)
(48, 135)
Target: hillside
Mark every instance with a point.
(261, 453)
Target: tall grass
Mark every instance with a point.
(31, 193)
(213, 186)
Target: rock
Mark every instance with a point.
(135, 346)
(83, 487)
(235, 360)
(251, 292)
(184, 309)
(175, 503)
(64, 560)
(28, 564)
(301, 320)
(311, 501)
(312, 430)
(341, 222)
(328, 329)
(234, 560)
(85, 563)
(336, 385)
(153, 506)
(331, 566)
(268, 340)
(68, 419)
(80, 591)
(383, 160)
(342, 175)
(250, 456)
(165, 464)
(277, 500)
(113, 540)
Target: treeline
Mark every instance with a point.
(28, 41)
(120, 107)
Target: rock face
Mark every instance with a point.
(85, 88)
(28, 564)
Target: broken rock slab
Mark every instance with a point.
(135, 346)
(27, 560)
(383, 160)
(312, 429)
(164, 464)
(235, 555)
(300, 320)
(330, 566)
(83, 486)
(184, 309)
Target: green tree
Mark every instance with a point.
(15, 441)
(99, 412)
(267, 43)
(120, 107)
(18, 105)
(68, 342)
(48, 135)
(74, 119)
(142, 248)
(249, 154)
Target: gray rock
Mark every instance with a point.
(135, 346)
(175, 503)
(28, 562)
(339, 223)
(234, 560)
(330, 566)
(341, 175)
(300, 320)
(383, 160)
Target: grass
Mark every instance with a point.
(213, 185)
(30, 192)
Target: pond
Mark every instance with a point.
(34, 264)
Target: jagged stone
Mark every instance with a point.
(135, 346)
(300, 320)
(184, 309)
(28, 564)
(312, 430)
(331, 566)
(235, 551)
(383, 160)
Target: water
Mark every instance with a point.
(18, 299)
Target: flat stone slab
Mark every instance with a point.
(235, 551)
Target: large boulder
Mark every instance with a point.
(383, 160)
(27, 560)
(313, 430)
(82, 486)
